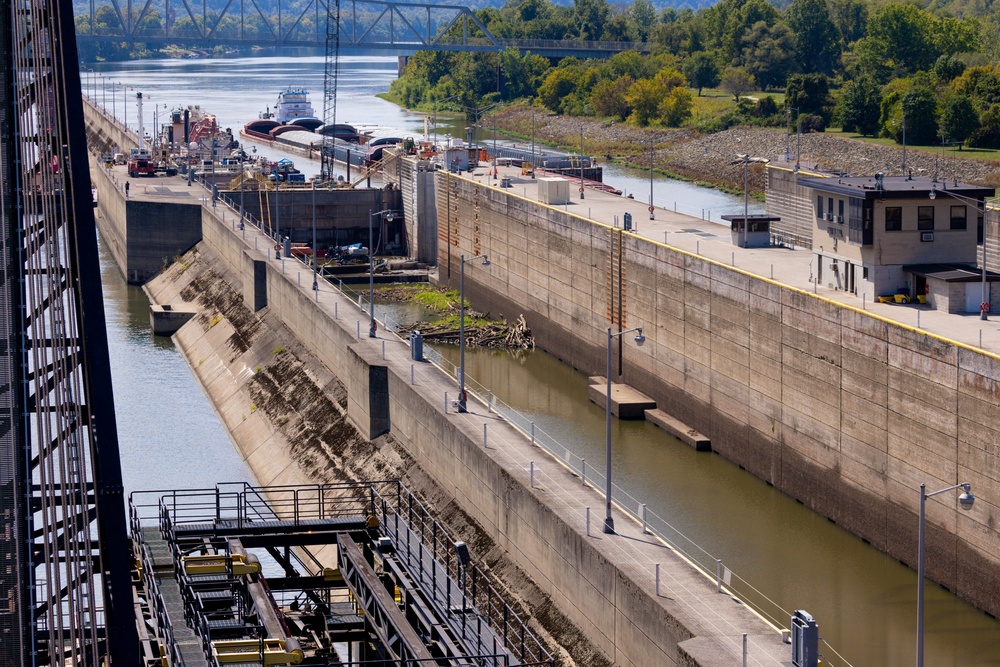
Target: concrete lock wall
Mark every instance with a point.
(847, 412)
(104, 133)
(618, 614)
(143, 236)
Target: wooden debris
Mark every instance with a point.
(496, 335)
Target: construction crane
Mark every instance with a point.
(331, 72)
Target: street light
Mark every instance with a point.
(388, 213)
(965, 501)
(436, 115)
(315, 250)
(461, 329)
(609, 522)
(985, 302)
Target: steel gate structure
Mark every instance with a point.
(65, 587)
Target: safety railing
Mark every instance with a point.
(415, 532)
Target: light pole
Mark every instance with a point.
(581, 161)
(532, 145)
(651, 215)
(984, 304)
(965, 501)
(436, 115)
(104, 94)
(372, 332)
(609, 522)
(461, 329)
(315, 249)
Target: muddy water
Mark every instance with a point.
(864, 601)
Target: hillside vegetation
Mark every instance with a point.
(876, 69)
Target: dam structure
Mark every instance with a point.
(799, 388)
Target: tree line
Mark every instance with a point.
(870, 67)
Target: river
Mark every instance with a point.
(171, 437)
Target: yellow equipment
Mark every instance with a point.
(235, 564)
(266, 651)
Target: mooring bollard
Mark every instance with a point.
(531, 478)
(718, 575)
(411, 374)
(484, 436)
(744, 649)
(588, 522)
(657, 580)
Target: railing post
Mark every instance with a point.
(718, 575)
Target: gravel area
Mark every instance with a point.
(711, 158)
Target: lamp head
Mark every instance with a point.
(388, 216)
(933, 193)
(639, 338)
(966, 499)
(486, 260)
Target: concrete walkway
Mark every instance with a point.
(686, 593)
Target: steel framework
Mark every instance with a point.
(65, 590)
(364, 26)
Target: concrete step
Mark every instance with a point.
(680, 430)
(626, 402)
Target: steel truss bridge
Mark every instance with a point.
(366, 26)
(65, 589)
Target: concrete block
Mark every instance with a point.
(626, 402)
(689, 436)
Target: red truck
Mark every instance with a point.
(139, 164)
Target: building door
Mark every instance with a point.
(973, 297)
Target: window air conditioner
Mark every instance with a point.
(926, 237)
(838, 219)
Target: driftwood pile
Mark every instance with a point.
(497, 335)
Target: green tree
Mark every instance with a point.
(737, 82)
(959, 119)
(810, 94)
(619, 28)
(676, 107)
(900, 38)
(742, 21)
(701, 71)
(860, 106)
(850, 17)
(769, 54)
(608, 97)
(645, 97)
(521, 75)
(558, 85)
(918, 110)
(642, 14)
(817, 41)
(591, 15)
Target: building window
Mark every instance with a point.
(925, 218)
(829, 208)
(819, 207)
(959, 217)
(840, 209)
(893, 219)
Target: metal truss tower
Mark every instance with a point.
(65, 585)
(330, 76)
